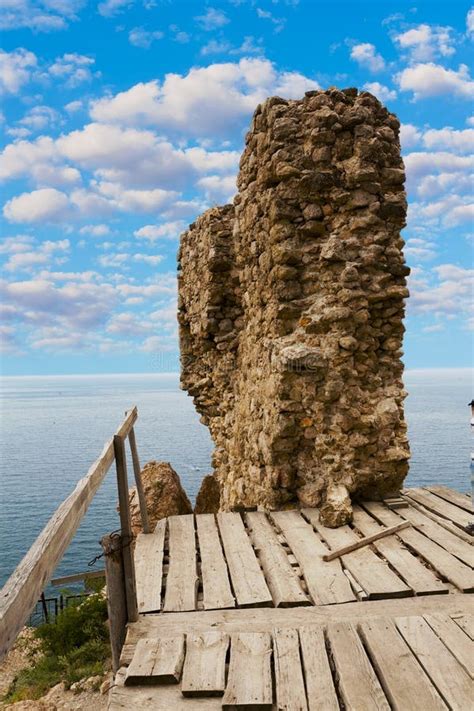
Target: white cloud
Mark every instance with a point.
(73, 305)
(381, 91)
(212, 20)
(140, 37)
(278, 22)
(73, 68)
(135, 200)
(168, 230)
(95, 230)
(151, 259)
(15, 69)
(215, 47)
(432, 186)
(207, 101)
(114, 260)
(8, 341)
(410, 135)
(44, 253)
(427, 80)
(419, 164)
(73, 106)
(446, 290)
(127, 323)
(39, 160)
(470, 22)
(110, 8)
(38, 15)
(249, 46)
(40, 117)
(18, 132)
(217, 188)
(18, 243)
(18, 158)
(47, 204)
(447, 211)
(366, 55)
(129, 156)
(434, 328)
(448, 138)
(417, 250)
(425, 42)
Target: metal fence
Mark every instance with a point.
(48, 608)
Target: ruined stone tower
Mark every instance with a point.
(290, 309)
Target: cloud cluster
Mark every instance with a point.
(207, 101)
(426, 42)
(366, 55)
(15, 69)
(427, 80)
(39, 15)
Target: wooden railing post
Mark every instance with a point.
(126, 529)
(116, 597)
(138, 481)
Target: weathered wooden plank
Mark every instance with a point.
(466, 623)
(157, 661)
(149, 568)
(126, 528)
(458, 643)
(358, 683)
(317, 671)
(182, 579)
(217, 592)
(266, 619)
(447, 540)
(451, 680)
(163, 697)
(408, 566)
(116, 598)
(366, 541)
(377, 579)
(326, 582)
(454, 497)
(247, 578)
(443, 562)
(138, 481)
(461, 533)
(249, 685)
(22, 590)
(290, 689)
(204, 668)
(449, 511)
(406, 685)
(280, 575)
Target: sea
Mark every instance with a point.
(54, 427)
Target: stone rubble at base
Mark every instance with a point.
(291, 304)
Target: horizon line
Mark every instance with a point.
(177, 372)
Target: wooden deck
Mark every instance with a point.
(240, 611)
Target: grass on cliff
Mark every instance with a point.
(73, 647)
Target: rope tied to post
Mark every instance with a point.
(112, 544)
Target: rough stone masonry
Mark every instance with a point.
(291, 304)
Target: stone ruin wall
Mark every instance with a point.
(291, 304)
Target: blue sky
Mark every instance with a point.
(123, 120)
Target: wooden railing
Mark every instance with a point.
(22, 590)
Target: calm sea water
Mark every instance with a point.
(53, 428)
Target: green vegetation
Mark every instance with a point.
(73, 647)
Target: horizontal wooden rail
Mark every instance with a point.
(21, 591)
(78, 577)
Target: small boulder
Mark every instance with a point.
(336, 509)
(209, 495)
(164, 495)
